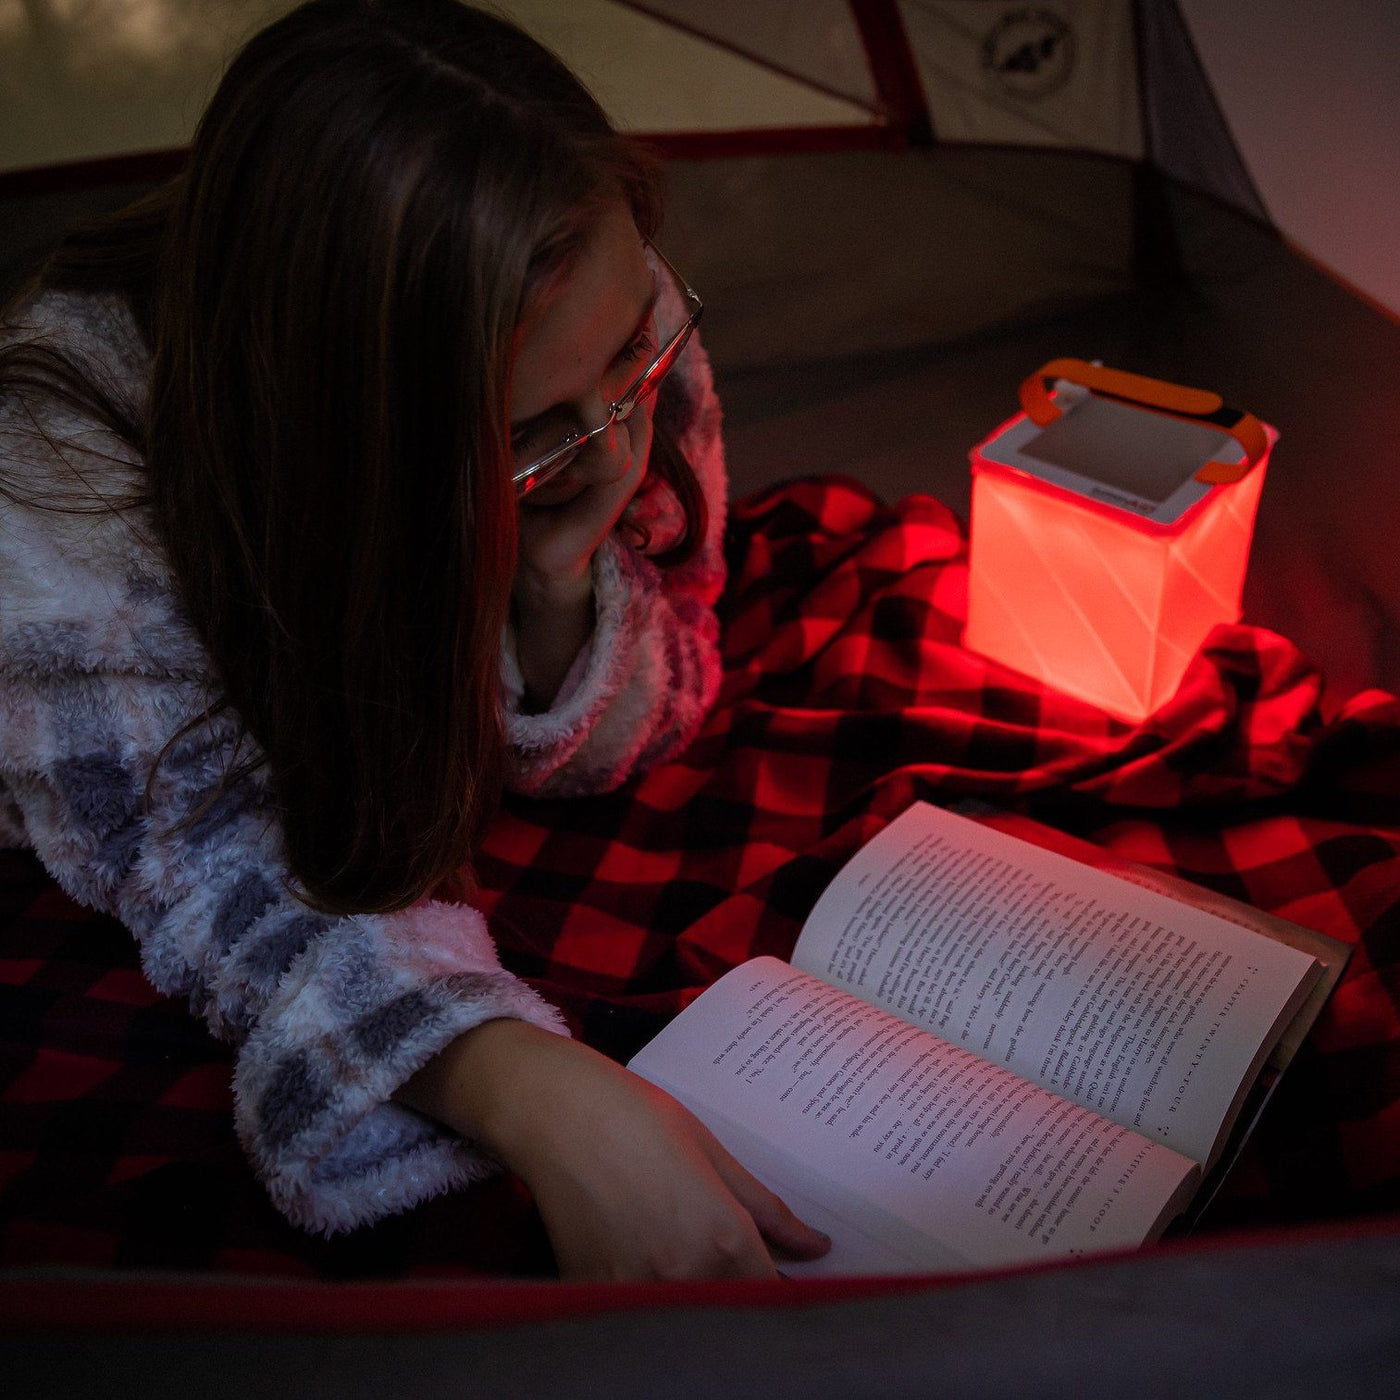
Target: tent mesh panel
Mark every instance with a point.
(1185, 131)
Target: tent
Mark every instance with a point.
(895, 209)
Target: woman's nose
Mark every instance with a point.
(608, 455)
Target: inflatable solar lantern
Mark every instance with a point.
(1111, 523)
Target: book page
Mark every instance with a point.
(1331, 953)
(1146, 1011)
(915, 1152)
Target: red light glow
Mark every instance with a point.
(1090, 599)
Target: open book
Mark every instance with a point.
(986, 1052)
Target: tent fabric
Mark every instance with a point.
(846, 697)
(66, 1301)
(1251, 1318)
(657, 76)
(1067, 74)
(1185, 132)
(815, 42)
(808, 271)
(1248, 1318)
(1029, 75)
(1311, 92)
(1175, 81)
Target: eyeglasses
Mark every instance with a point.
(542, 469)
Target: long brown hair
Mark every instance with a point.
(329, 291)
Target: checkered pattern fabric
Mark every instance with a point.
(846, 696)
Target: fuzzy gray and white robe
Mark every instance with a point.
(98, 667)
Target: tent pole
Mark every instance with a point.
(893, 67)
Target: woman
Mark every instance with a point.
(335, 501)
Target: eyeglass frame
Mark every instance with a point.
(546, 468)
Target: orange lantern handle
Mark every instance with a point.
(1174, 400)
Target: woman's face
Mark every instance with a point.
(589, 336)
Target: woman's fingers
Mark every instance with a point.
(734, 1250)
(703, 1232)
(776, 1221)
(630, 1184)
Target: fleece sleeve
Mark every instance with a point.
(330, 1014)
(644, 684)
(98, 669)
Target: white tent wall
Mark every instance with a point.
(1078, 89)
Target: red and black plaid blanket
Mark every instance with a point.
(847, 696)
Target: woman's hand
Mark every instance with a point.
(629, 1183)
(563, 523)
(561, 527)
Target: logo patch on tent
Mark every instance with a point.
(1030, 53)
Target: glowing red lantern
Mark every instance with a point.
(1111, 524)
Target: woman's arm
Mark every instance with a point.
(629, 1183)
(98, 668)
(330, 1015)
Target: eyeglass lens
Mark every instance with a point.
(549, 465)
